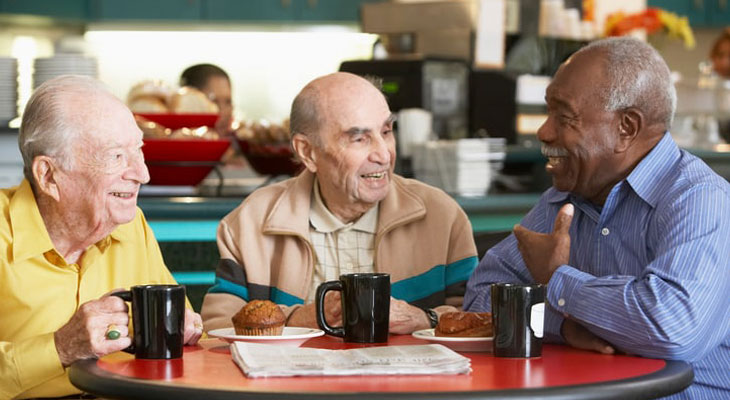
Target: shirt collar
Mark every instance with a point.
(649, 176)
(324, 221)
(30, 237)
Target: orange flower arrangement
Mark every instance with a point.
(652, 20)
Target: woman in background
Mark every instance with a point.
(214, 82)
(720, 54)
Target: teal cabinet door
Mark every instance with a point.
(330, 10)
(130, 10)
(248, 10)
(66, 9)
(719, 12)
(695, 10)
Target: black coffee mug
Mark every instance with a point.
(158, 315)
(365, 307)
(518, 314)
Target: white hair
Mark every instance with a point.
(637, 76)
(49, 126)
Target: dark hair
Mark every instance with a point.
(725, 35)
(198, 75)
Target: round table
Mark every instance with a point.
(208, 371)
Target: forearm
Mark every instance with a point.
(27, 363)
(645, 315)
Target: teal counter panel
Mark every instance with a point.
(185, 231)
(194, 277)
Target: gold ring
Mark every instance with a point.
(112, 333)
(198, 325)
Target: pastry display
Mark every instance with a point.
(189, 100)
(464, 324)
(259, 318)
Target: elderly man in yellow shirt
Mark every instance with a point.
(70, 234)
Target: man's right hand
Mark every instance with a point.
(84, 335)
(306, 315)
(579, 337)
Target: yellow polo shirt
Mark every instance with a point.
(40, 291)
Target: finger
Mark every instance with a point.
(112, 304)
(564, 218)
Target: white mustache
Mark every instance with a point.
(548, 151)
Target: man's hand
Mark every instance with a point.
(579, 337)
(306, 315)
(405, 318)
(84, 335)
(193, 327)
(544, 253)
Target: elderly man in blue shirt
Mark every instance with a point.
(633, 239)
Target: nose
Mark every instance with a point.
(546, 131)
(380, 152)
(137, 169)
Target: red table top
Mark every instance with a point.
(209, 366)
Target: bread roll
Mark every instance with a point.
(192, 101)
(150, 89)
(148, 105)
(465, 324)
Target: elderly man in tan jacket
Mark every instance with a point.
(346, 213)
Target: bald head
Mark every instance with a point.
(324, 97)
(634, 75)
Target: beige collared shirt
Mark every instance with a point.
(340, 248)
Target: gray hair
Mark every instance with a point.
(48, 128)
(305, 115)
(637, 76)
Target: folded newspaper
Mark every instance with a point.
(266, 360)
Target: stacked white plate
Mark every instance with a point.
(8, 89)
(63, 64)
(463, 167)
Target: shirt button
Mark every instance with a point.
(561, 302)
(605, 231)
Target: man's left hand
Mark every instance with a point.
(405, 318)
(193, 327)
(543, 253)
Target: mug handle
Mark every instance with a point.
(322, 289)
(126, 295)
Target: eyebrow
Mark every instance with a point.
(357, 130)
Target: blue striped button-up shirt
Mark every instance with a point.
(649, 271)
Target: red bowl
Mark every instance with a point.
(270, 158)
(177, 121)
(182, 161)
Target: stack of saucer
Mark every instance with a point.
(8, 89)
(63, 64)
(464, 167)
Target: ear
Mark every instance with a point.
(304, 149)
(631, 123)
(44, 172)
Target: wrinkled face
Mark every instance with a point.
(721, 59)
(356, 156)
(579, 136)
(107, 168)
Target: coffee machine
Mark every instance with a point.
(439, 86)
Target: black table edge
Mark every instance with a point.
(674, 377)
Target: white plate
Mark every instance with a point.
(291, 336)
(467, 344)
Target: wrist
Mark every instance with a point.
(432, 317)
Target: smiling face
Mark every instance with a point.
(354, 155)
(579, 136)
(107, 168)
